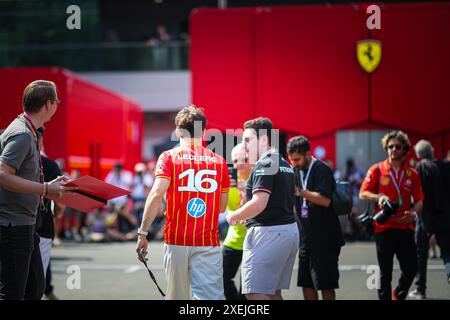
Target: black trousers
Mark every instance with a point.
(17, 254)
(231, 260)
(422, 243)
(48, 280)
(36, 277)
(401, 244)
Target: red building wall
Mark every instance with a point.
(298, 66)
(93, 127)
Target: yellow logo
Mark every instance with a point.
(408, 173)
(368, 53)
(385, 181)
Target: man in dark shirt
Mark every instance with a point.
(320, 232)
(434, 222)
(271, 243)
(45, 226)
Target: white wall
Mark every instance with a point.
(156, 91)
(165, 91)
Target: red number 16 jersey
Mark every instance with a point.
(197, 177)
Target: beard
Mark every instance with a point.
(398, 156)
(306, 164)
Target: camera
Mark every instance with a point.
(389, 209)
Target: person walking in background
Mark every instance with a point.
(321, 236)
(433, 225)
(142, 183)
(45, 226)
(234, 240)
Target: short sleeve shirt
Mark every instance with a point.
(321, 230)
(197, 178)
(273, 174)
(18, 149)
(379, 179)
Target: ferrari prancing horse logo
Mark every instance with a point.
(368, 53)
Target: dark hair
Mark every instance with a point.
(36, 95)
(262, 126)
(397, 134)
(299, 144)
(187, 117)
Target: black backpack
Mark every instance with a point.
(342, 199)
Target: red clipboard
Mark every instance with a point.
(91, 194)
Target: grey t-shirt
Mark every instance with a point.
(18, 149)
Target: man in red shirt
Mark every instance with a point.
(395, 181)
(195, 182)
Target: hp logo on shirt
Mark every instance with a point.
(196, 207)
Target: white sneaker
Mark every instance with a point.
(416, 294)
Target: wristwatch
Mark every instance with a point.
(142, 232)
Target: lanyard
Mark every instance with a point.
(397, 185)
(29, 123)
(305, 181)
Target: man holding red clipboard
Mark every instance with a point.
(22, 189)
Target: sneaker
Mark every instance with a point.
(416, 294)
(394, 295)
(50, 296)
(56, 242)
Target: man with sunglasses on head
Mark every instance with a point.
(393, 180)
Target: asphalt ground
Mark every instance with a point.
(111, 271)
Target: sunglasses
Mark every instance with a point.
(395, 146)
(144, 261)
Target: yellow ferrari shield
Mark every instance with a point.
(368, 53)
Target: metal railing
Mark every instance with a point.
(107, 56)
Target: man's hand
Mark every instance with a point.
(142, 247)
(407, 218)
(233, 221)
(381, 198)
(230, 219)
(57, 188)
(303, 193)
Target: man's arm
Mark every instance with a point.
(11, 182)
(153, 202)
(370, 196)
(152, 205)
(418, 207)
(251, 209)
(223, 201)
(315, 198)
